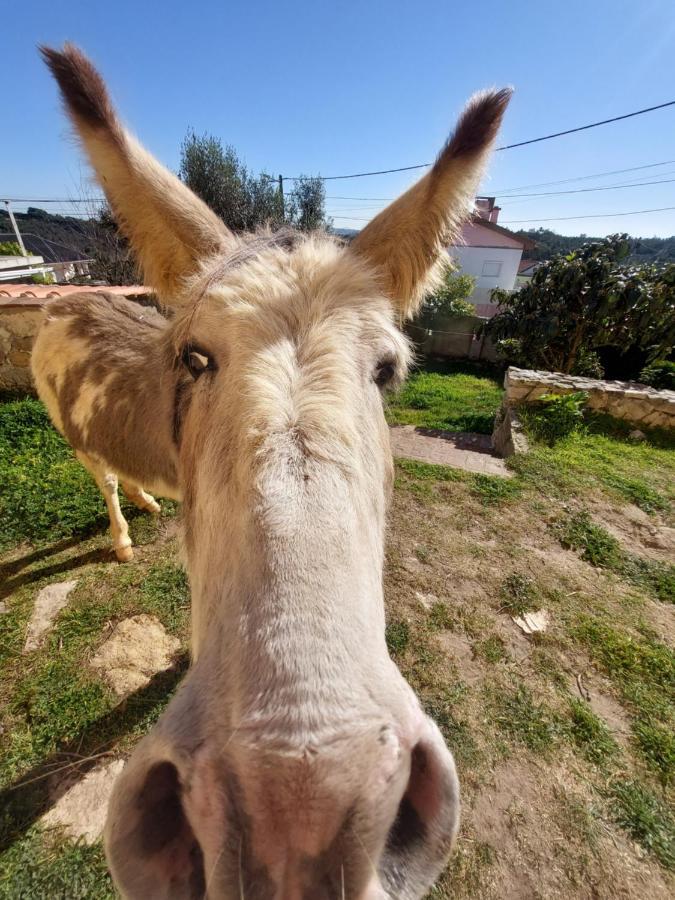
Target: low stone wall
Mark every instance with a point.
(19, 322)
(636, 403)
(626, 400)
(21, 312)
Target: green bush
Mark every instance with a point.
(555, 416)
(449, 299)
(660, 374)
(10, 248)
(42, 278)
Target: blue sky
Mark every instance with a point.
(332, 88)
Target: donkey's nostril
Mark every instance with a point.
(153, 850)
(161, 813)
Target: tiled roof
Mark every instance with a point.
(27, 296)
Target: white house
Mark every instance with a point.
(490, 253)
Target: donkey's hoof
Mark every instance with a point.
(153, 507)
(124, 554)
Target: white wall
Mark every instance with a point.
(471, 261)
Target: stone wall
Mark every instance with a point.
(628, 400)
(19, 322)
(21, 312)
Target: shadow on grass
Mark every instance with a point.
(73, 562)
(8, 585)
(25, 801)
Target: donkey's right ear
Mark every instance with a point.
(169, 227)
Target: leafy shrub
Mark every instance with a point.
(556, 415)
(10, 248)
(449, 299)
(588, 299)
(42, 278)
(660, 374)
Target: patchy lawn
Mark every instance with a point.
(451, 396)
(563, 739)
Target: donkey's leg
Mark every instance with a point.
(107, 483)
(141, 498)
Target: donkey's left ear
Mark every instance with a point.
(169, 227)
(404, 241)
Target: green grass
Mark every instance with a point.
(602, 456)
(397, 636)
(493, 490)
(598, 547)
(492, 649)
(523, 719)
(45, 493)
(35, 868)
(519, 594)
(656, 743)
(448, 396)
(590, 734)
(643, 671)
(646, 818)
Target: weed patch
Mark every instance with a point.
(519, 594)
(493, 490)
(656, 743)
(589, 734)
(397, 635)
(524, 720)
(646, 819)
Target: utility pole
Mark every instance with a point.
(281, 195)
(19, 240)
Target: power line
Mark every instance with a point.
(607, 187)
(635, 212)
(53, 200)
(545, 137)
(524, 187)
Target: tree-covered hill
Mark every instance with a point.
(643, 250)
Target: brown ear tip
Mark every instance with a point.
(81, 86)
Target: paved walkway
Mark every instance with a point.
(472, 452)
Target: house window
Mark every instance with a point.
(491, 269)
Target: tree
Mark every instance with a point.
(112, 259)
(217, 175)
(449, 299)
(305, 204)
(589, 299)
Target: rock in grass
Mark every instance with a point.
(49, 602)
(137, 649)
(81, 810)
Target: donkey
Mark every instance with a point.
(294, 762)
(94, 346)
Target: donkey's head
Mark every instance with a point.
(294, 762)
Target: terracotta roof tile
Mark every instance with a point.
(43, 291)
(32, 296)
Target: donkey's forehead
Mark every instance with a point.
(288, 275)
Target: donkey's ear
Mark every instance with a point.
(170, 228)
(404, 241)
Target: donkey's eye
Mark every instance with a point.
(196, 361)
(385, 372)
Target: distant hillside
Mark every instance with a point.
(53, 237)
(645, 250)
